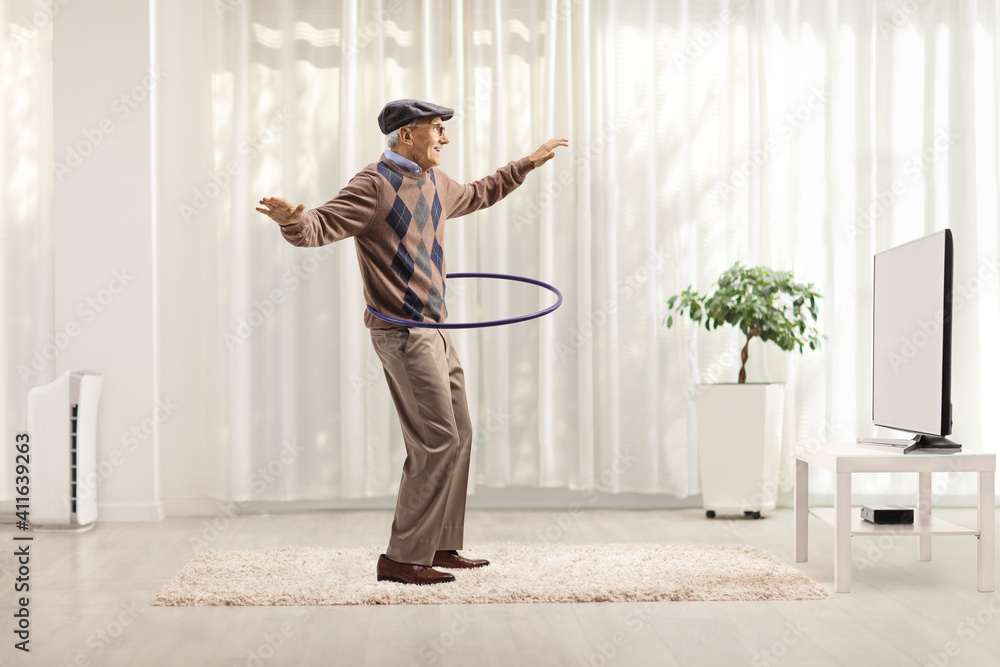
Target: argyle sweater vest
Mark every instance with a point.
(397, 221)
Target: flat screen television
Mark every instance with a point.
(911, 344)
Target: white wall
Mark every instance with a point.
(102, 234)
(187, 287)
(128, 130)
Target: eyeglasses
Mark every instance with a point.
(437, 128)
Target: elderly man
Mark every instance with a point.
(396, 209)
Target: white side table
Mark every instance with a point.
(843, 459)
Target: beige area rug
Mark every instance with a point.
(517, 573)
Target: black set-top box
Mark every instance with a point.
(887, 514)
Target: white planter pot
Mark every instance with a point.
(739, 445)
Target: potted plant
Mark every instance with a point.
(739, 424)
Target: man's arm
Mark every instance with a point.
(465, 199)
(346, 215)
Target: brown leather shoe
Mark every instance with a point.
(406, 573)
(452, 559)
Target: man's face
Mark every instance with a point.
(427, 138)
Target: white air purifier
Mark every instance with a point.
(62, 424)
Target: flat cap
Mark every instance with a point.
(398, 113)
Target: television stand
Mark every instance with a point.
(845, 459)
(920, 443)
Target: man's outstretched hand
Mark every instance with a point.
(547, 151)
(281, 210)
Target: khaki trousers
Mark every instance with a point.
(428, 388)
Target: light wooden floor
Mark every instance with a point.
(90, 596)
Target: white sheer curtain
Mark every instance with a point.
(801, 135)
(27, 346)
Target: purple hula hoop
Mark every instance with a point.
(478, 325)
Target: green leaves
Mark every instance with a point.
(760, 303)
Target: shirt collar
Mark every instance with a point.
(403, 163)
